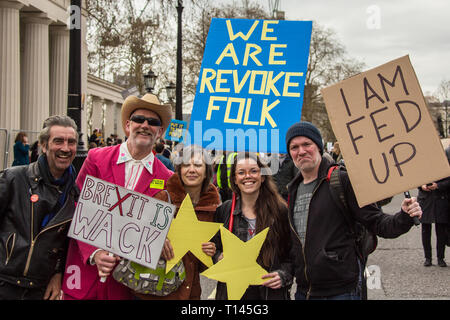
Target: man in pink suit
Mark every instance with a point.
(132, 165)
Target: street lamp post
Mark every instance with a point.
(149, 81)
(446, 104)
(179, 93)
(74, 85)
(171, 92)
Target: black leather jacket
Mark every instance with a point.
(31, 255)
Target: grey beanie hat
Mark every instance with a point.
(305, 129)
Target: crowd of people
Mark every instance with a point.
(308, 241)
(96, 139)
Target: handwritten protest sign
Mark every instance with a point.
(385, 132)
(445, 142)
(129, 224)
(176, 130)
(250, 88)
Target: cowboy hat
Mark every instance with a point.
(149, 102)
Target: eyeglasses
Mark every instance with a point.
(252, 172)
(154, 122)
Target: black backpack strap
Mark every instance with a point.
(338, 194)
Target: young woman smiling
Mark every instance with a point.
(257, 206)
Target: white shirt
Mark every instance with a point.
(133, 168)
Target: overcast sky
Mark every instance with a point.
(379, 31)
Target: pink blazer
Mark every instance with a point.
(102, 163)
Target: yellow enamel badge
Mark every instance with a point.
(157, 184)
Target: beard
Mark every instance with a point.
(143, 138)
(308, 165)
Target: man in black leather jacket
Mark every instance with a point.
(37, 202)
(325, 259)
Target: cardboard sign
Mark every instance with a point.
(176, 130)
(127, 223)
(445, 142)
(385, 132)
(250, 88)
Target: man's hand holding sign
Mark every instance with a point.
(386, 137)
(120, 221)
(386, 134)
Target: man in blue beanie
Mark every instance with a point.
(326, 262)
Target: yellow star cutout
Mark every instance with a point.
(187, 233)
(238, 268)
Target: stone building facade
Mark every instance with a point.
(34, 64)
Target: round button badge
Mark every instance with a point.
(34, 198)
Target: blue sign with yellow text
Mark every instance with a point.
(176, 130)
(250, 87)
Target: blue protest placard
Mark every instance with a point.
(176, 130)
(250, 87)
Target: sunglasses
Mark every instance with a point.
(154, 122)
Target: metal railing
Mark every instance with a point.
(4, 147)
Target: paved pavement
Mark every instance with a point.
(396, 268)
(400, 263)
